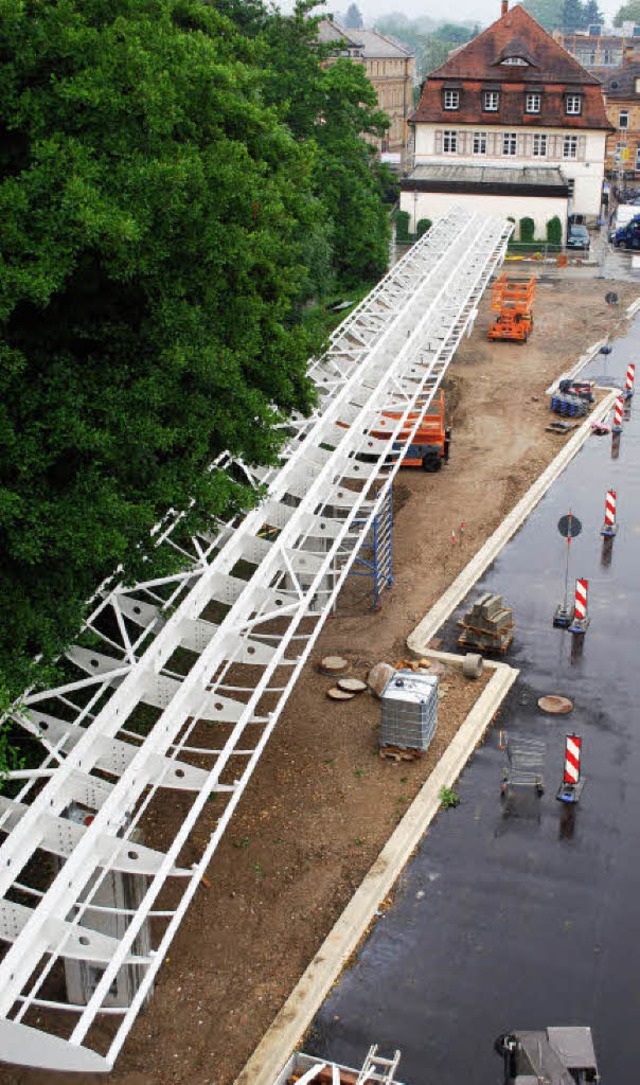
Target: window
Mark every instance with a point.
(637, 158)
(539, 145)
(612, 57)
(451, 99)
(570, 147)
(573, 105)
(479, 142)
(509, 142)
(623, 118)
(491, 101)
(533, 103)
(516, 62)
(450, 142)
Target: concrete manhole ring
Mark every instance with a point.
(555, 705)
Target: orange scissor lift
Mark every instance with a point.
(512, 299)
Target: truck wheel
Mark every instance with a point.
(431, 463)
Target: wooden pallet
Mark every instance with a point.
(471, 642)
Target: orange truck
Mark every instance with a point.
(429, 447)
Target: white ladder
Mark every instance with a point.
(376, 1068)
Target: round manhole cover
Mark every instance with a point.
(352, 685)
(336, 694)
(334, 665)
(555, 705)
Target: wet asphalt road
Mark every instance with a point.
(528, 914)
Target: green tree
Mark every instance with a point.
(592, 14)
(572, 16)
(629, 12)
(329, 109)
(453, 32)
(353, 18)
(156, 220)
(578, 15)
(549, 13)
(349, 178)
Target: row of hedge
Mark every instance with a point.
(402, 227)
(527, 230)
(526, 227)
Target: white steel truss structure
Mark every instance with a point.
(177, 683)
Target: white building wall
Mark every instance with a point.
(430, 205)
(586, 170)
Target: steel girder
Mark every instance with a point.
(185, 676)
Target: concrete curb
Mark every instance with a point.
(417, 640)
(282, 1037)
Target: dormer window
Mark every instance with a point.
(532, 104)
(451, 99)
(573, 105)
(491, 101)
(515, 61)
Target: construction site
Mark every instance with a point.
(207, 762)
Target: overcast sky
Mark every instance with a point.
(481, 11)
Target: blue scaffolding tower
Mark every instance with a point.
(375, 556)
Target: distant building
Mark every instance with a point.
(599, 47)
(390, 67)
(510, 123)
(622, 93)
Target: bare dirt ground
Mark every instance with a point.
(321, 803)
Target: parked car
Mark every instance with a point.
(578, 237)
(628, 237)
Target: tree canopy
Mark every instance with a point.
(430, 42)
(629, 12)
(177, 180)
(353, 18)
(569, 15)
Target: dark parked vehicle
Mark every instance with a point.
(628, 237)
(578, 237)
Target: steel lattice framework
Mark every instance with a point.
(185, 676)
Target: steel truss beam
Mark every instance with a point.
(178, 682)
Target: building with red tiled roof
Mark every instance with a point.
(511, 99)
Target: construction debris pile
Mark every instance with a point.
(488, 626)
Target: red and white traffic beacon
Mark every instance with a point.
(610, 526)
(630, 381)
(580, 622)
(573, 781)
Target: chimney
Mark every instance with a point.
(505, 7)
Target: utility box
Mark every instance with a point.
(116, 900)
(409, 710)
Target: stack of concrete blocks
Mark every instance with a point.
(409, 710)
(488, 626)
